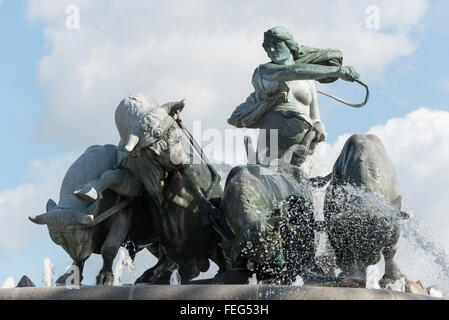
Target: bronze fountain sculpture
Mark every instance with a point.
(147, 192)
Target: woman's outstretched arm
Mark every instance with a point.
(303, 71)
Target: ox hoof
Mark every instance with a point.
(105, 278)
(149, 277)
(86, 193)
(62, 280)
(233, 277)
(386, 282)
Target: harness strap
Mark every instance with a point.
(111, 211)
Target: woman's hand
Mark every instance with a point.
(348, 74)
(321, 134)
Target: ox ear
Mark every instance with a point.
(51, 205)
(174, 107)
(397, 203)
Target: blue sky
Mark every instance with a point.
(22, 97)
(59, 88)
(414, 80)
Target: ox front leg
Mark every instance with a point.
(73, 275)
(347, 264)
(161, 272)
(392, 271)
(116, 236)
(121, 181)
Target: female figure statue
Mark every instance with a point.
(285, 96)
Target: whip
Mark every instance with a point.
(354, 105)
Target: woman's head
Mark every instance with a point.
(276, 42)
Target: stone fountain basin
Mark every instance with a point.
(206, 292)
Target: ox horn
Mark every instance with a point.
(40, 219)
(46, 217)
(131, 142)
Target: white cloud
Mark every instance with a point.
(9, 282)
(44, 178)
(418, 146)
(204, 51)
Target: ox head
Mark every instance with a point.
(69, 228)
(146, 127)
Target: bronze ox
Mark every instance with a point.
(81, 227)
(363, 209)
(175, 203)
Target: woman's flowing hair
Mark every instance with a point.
(283, 34)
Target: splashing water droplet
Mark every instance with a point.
(399, 285)
(9, 283)
(49, 273)
(253, 280)
(124, 263)
(373, 275)
(299, 282)
(175, 278)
